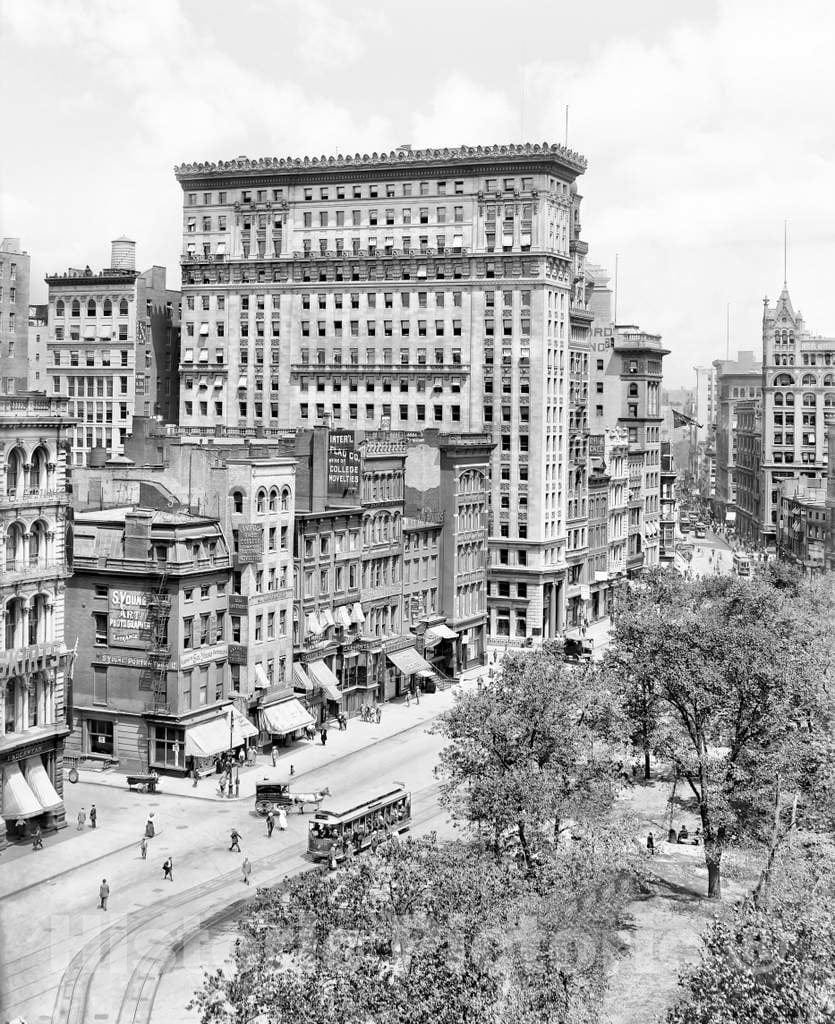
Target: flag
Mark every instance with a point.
(680, 420)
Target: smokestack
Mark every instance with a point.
(123, 254)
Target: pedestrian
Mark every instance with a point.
(37, 838)
(417, 695)
(222, 785)
(82, 818)
(168, 869)
(378, 713)
(143, 847)
(93, 814)
(237, 783)
(651, 844)
(104, 893)
(195, 778)
(241, 757)
(323, 735)
(274, 751)
(282, 819)
(292, 770)
(150, 826)
(236, 841)
(246, 870)
(408, 699)
(270, 824)
(332, 857)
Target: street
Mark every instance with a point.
(711, 554)
(113, 960)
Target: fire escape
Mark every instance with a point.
(154, 676)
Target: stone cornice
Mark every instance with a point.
(396, 160)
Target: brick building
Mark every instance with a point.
(14, 317)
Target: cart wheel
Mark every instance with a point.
(263, 807)
(72, 776)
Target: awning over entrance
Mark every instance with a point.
(208, 738)
(324, 677)
(38, 781)
(435, 634)
(409, 661)
(286, 717)
(18, 799)
(300, 678)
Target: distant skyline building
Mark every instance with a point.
(113, 349)
(798, 379)
(14, 317)
(737, 380)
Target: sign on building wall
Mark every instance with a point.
(343, 464)
(127, 620)
(596, 446)
(250, 542)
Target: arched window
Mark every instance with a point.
(91, 307)
(38, 554)
(261, 500)
(285, 499)
(783, 380)
(809, 400)
(14, 473)
(107, 308)
(76, 307)
(14, 547)
(123, 307)
(829, 380)
(237, 501)
(829, 400)
(39, 470)
(789, 398)
(809, 380)
(633, 390)
(59, 307)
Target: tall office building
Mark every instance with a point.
(14, 316)
(736, 380)
(402, 291)
(113, 349)
(798, 381)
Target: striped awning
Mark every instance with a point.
(300, 678)
(41, 785)
(286, 717)
(19, 802)
(435, 634)
(408, 661)
(322, 676)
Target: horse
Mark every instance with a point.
(315, 798)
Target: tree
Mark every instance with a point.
(423, 930)
(739, 705)
(522, 751)
(774, 961)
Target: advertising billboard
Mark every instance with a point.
(343, 464)
(128, 622)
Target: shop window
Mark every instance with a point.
(100, 737)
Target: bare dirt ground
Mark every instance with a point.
(668, 919)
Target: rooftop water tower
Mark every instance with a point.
(123, 254)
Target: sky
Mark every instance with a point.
(706, 126)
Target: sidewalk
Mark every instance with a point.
(305, 755)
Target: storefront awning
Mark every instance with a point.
(286, 717)
(324, 677)
(326, 616)
(357, 614)
(315, 624)
(261, 680)
(342, 615)
(301, 679)
(208, 738)
(18, 799)
(38, 781)
(435, 634)
(409, 661)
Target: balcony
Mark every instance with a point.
(34, 498)
(19, 571)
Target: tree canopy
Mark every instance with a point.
(426, 930)
(728, 680)
(522, 753)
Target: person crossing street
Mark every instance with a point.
(236, 841)
(270, 824)
(104, 894)
(168, 869)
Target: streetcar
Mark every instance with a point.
(742, 564)
(700, 530)
(342, 833)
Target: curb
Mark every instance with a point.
(297, 775)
